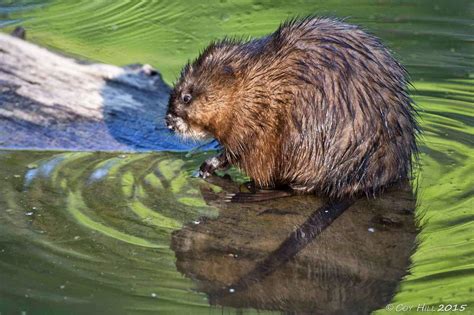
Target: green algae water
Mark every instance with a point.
(87, 232)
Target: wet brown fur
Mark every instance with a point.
(318, 106)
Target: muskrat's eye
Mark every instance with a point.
(186, 98)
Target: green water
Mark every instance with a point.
(82, 229)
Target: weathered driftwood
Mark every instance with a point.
(243, 258)
(50, 101)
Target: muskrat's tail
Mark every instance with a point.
(319, 220)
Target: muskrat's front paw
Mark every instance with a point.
(207, 169)
(204, 171)
(212, 164)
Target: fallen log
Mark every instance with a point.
(50, 101)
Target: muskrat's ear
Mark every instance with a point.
(228, 72)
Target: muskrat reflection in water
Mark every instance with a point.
(252, 256)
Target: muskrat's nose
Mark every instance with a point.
(169, 121)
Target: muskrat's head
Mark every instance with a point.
(201, 100)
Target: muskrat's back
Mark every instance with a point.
(319, 106)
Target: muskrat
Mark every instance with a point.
(319, 106)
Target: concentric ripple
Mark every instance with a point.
(84, 228)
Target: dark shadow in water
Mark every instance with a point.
(250, 256)
(63, 130)
(132, 107)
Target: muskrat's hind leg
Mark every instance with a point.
(218, 162)
(259, 195)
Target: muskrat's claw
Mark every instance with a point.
(212, 164)
(206, 169)
(228, 197)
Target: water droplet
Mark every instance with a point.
(225, 17)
